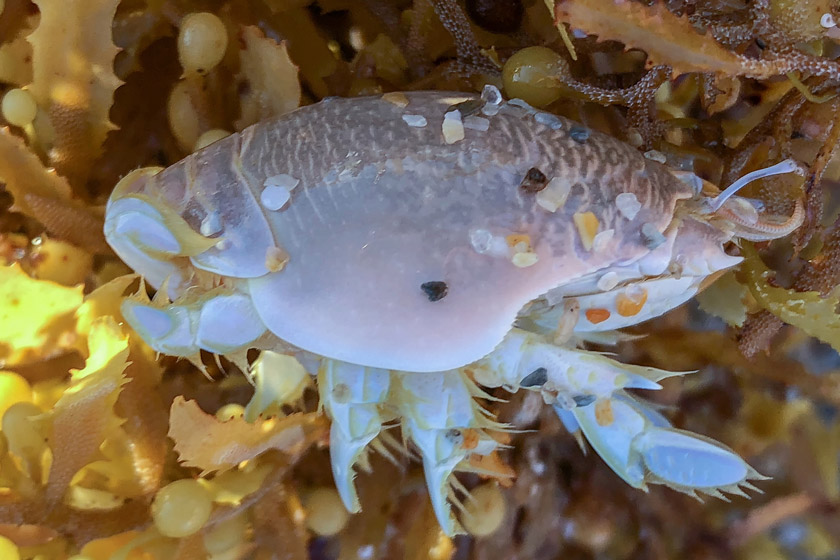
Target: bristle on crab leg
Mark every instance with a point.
(352, 396)
(442, 419)
(641, 447)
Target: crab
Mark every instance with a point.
(415, 249)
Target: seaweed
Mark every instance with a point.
(97, 430)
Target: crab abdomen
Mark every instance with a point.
(412, 242)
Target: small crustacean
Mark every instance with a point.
(417, 246)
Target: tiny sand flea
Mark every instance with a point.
(453, 128)
(417, 121)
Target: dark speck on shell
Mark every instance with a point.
(434, 290)
(534, 181)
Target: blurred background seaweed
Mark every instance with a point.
(107, 451)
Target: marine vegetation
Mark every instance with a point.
(125, 436)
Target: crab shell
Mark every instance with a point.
(375, 199)
(395, 240)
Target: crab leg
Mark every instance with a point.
(642, 447)
(442, 418)
(565, 376)
(352, 396)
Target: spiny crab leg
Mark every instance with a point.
(587, 391)
(352, 396)
(439, 416)
(642, 447)
(565, 376)
(442, 418)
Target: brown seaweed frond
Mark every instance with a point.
(672, 40)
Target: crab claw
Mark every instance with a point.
(219, 322)
(641, 447)
(352, 396)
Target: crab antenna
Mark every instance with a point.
(786, 166)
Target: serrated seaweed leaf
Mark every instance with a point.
(84, 416)
(814, 314)
(23, 173)
(274, 87)
(205, 442)
(669, 39)
(73, 80)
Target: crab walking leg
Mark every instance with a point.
(352, 396)
(220, 322)
(566, 376)
(442, 418)
(640, 445)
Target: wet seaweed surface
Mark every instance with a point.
(109, 451)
